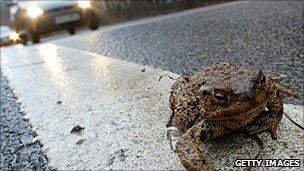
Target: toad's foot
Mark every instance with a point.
(188, 145)
(191, 156)
(169, 138)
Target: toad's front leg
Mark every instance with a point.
(270, 119)
(188, 145)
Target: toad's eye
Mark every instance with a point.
(221, 98)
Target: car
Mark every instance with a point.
(38, 17)
(8, 37)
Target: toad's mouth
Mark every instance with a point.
(253, 112)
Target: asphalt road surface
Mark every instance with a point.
(19, 150)
(260, 34)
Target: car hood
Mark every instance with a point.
(48, 5)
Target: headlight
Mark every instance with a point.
(14, 36)
(34, 11)
(84, 4)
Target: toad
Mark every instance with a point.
(222, 99)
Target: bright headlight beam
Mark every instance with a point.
(34, 11)
(14, 36)
(84, 4)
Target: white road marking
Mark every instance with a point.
(119, 106)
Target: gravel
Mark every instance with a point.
(19, 150)
(259, 34)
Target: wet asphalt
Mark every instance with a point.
(260, 34)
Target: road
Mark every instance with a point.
(261, 34)
(265, 34)
(18, 150)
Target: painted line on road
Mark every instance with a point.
(123, 110)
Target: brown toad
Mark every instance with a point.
(222, 99)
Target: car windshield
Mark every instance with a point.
(47, 4)
(4, 31)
